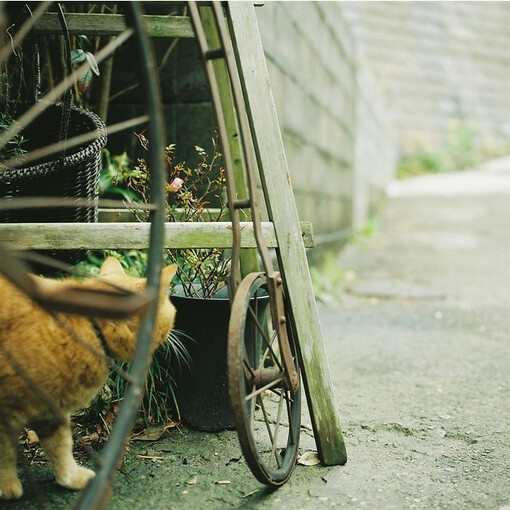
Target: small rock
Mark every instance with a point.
(32, 437)
(191, 481)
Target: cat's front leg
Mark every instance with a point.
(57, 442)
(10, 486)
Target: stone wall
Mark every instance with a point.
(438, 63)
(339, 141)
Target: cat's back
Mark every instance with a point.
(36, 349)
(13, 304)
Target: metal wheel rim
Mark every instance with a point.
(98, 491)
(262, 469)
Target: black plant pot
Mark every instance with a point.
(202, 390)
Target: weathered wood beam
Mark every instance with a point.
(277, 187)
(132, 235)
(114, 24)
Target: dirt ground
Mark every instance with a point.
(417, 336)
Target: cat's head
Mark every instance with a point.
(121, 334)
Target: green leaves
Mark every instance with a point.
(14, 147)
(78, 57)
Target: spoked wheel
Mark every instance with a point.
(71, 150)
(267, 413)
(98, 492)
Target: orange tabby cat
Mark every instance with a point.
(64, 375)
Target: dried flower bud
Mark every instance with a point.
(175, 185)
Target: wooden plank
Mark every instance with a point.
(114, 24)
(123, 214)
(131, 235)
(279, 196)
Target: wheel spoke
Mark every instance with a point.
(249, 370)
(268, 386)
(253, 405)
(277, 430)
(268, 426)
(270, 351)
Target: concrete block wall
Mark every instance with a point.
(376, 148)
(186, 101)
(339, 142)
(437, 63)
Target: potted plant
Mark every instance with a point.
(200, 294)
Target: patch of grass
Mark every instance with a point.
(419, 163)
(159, 399)
(366, 231)
(328, 278)
(461, 150)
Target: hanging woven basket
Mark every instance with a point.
(73, 173)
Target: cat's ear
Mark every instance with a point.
(111, 266)
(167, 273)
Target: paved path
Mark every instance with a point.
(419, 348)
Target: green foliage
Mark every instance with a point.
(202, 272)
(327, 278)
(418, 163)
(112, 180)
(14, 147)
(367, 230)
(134, 262)
(461, 150)
(159, 398)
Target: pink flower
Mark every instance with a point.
(175, 185)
